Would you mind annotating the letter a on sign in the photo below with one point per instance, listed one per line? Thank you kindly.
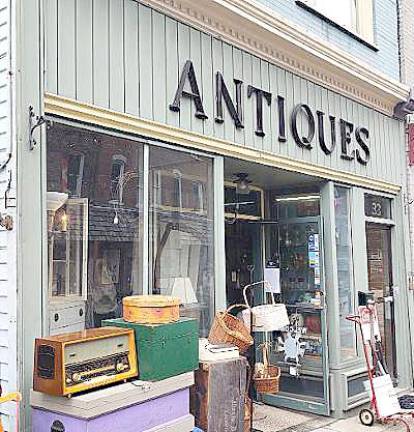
(188, 73)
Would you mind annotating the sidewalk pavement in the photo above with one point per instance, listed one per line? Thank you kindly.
(271, 419)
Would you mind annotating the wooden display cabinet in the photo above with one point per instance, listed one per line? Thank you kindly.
(67, 261)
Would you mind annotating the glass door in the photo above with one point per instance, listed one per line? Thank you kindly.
(300, 350)
(380, 283)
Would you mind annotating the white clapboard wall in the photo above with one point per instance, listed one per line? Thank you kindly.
(122, 55)
(8, 356)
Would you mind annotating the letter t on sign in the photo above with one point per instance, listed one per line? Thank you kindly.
(189, 73)
(260, 94)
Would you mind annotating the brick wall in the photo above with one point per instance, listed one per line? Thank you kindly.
(406, 27)
(406, 41)
(385, 32)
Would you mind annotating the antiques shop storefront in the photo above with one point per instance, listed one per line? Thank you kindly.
(178, 164)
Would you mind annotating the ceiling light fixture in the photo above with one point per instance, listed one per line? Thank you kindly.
(242, 183)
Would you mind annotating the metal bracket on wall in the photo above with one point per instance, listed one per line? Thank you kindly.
(35, 121)
(7, 198)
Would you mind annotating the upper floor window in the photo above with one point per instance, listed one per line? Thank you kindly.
(343, 12)
(353, 15)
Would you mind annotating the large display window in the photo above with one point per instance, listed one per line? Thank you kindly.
(125, 218)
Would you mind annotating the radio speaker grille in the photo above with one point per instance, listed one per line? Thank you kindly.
(46, 362)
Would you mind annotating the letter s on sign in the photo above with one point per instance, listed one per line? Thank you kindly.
(360, 134)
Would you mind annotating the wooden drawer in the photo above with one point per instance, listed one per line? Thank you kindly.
(66, 317)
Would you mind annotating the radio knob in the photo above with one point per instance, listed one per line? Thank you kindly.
(68, 380)
(120, 367)
(76, 377)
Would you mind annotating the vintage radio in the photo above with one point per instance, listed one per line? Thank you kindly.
(75, 362)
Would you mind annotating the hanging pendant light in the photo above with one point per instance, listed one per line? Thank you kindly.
(242, 183)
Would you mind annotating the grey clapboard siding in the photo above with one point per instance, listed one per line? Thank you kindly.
(137, 56)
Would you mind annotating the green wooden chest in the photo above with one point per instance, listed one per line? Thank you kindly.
(163, 350)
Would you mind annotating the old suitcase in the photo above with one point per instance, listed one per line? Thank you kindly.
(164, 350)
(218, 396)
(137, 406)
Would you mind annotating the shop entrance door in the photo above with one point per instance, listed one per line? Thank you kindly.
(380, 283)
(244, 259)
(301, 351)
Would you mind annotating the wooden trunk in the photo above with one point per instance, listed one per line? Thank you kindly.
(163, 350)
(218, 396)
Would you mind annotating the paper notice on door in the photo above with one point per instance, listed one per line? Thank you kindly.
(272, 275)
(313, 259)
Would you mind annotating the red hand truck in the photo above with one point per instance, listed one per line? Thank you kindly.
(367, 321)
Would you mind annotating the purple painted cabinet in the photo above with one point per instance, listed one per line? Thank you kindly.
(137, 418)
(139, 407)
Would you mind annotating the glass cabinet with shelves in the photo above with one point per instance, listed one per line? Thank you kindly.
(67, 249)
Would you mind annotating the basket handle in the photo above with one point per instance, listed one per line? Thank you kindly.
(264, 282)
(240, 305)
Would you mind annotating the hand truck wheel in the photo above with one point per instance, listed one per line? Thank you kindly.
(366, 417)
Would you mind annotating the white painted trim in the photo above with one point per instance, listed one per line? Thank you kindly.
(220, 300)
(263, 32)
(145, 223)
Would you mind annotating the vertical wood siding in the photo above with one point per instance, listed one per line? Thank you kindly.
(8, 353)
(122, 55)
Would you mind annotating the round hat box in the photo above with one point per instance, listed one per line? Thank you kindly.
(151, 309)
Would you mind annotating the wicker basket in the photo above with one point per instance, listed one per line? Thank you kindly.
(266, 381)
(151, 309)
(227, 328)
(269, 383)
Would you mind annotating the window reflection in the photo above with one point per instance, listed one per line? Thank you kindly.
(181, 231)
(344, 269)
(94, 200)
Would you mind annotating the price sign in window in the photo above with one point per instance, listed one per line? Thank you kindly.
(377, 206)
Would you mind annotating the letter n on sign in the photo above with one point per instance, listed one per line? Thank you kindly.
(411, 144)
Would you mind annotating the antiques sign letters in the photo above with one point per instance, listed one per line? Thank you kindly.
(353, 138)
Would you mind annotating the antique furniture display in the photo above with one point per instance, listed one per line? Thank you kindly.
(67, 251)
(138, 406)
(218, 397)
